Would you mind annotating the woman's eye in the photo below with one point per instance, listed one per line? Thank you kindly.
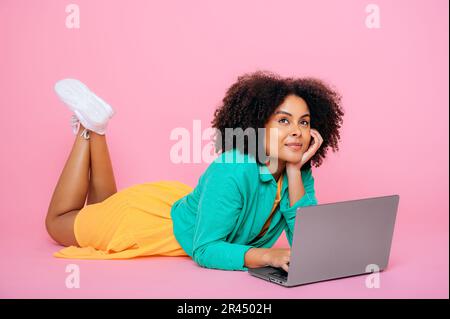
(284, 119)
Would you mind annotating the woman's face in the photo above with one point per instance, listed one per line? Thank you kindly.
(290, 123)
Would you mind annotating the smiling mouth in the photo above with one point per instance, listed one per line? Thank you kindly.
(294, 146)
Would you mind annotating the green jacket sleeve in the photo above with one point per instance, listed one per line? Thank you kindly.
(289, 212)
(220, 205)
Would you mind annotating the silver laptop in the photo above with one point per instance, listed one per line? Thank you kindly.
(337, 240)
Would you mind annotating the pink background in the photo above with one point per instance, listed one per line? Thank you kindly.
(164, 64)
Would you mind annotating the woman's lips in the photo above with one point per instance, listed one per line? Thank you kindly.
(294, 146)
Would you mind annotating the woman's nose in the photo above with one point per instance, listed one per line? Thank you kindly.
(296, 132)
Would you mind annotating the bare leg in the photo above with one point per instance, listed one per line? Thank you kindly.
(102, 182)
(75, 184)
(69, 195)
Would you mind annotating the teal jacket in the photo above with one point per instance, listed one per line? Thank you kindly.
(218, 221)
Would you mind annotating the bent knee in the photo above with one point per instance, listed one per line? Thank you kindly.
(61, 228)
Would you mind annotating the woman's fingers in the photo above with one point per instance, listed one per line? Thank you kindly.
(317, 137)
(286, 261)
(312, 147)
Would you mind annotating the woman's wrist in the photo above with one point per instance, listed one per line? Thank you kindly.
(265, 258)
(256, 257)
(295, 186)
(293, 170)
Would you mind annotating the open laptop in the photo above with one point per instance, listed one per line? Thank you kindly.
(337, 240)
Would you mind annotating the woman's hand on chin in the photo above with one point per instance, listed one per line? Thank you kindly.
(306, 156)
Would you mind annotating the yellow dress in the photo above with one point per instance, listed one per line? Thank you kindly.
(133, 222)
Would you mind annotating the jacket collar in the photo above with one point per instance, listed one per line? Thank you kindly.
(266, 176)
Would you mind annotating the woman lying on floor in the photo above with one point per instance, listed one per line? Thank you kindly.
(243, 201)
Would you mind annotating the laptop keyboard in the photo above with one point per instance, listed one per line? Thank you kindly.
(280, 274)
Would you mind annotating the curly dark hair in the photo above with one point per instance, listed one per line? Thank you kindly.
(251, 101)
